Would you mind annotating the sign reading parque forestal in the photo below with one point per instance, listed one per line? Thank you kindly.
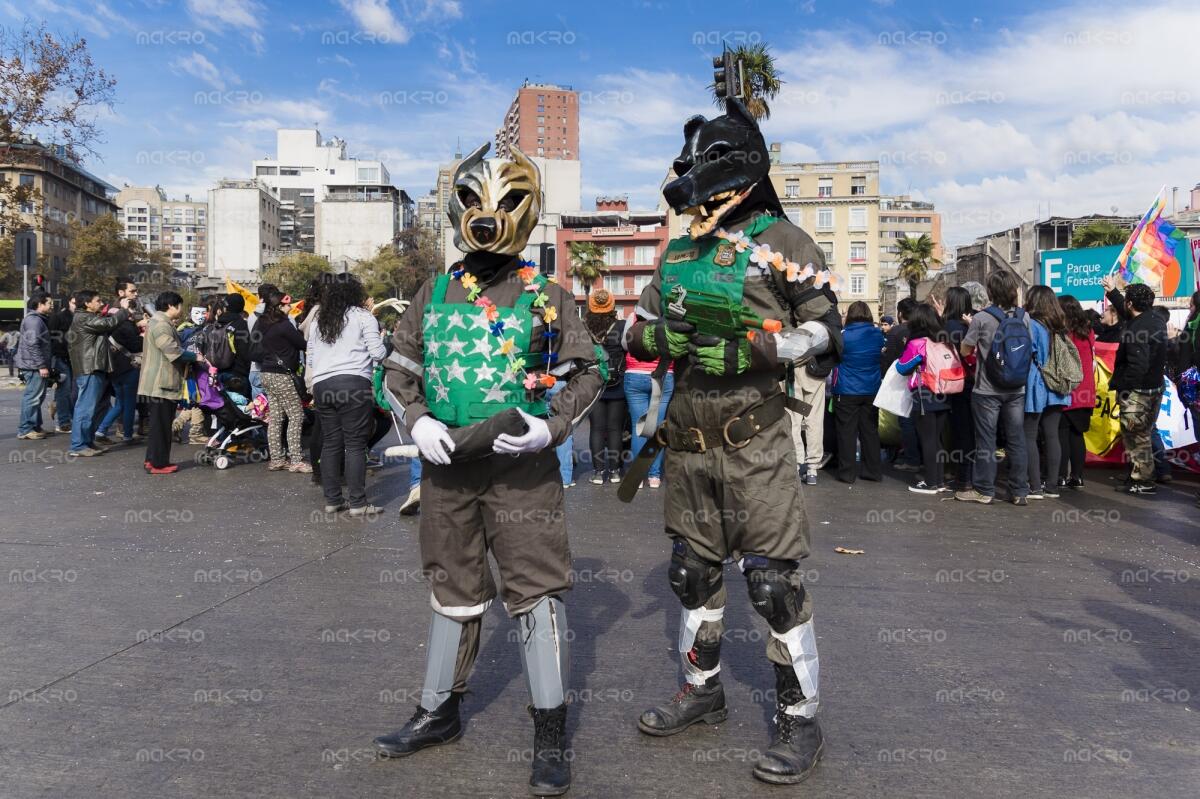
(1079, 272)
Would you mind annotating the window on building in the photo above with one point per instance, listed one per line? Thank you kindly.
(858, 284)
(824, 219)
(27, 180)
(858, 218)
(615, 284)
(827, 248)
(541, 151)
(640, 282)
(614, 256)
(541, 129)
(643, 255)
(368, 174)
(795, 216)
(791, 188)
(825, 187)
(288, 171)
(858, 251)
(858, 186)
(266, 170)
(576, 286)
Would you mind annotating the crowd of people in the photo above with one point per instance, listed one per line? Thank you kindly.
(1012, 382)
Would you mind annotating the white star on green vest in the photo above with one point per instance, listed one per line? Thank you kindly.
(483, 346)
(454, 346)
(494, 394)
(433, 373)
(443, 393)
(456, 371)
(485, 373)
(455, 320)
(431, 318)
(481, 322)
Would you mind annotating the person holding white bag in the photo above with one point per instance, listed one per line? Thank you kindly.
(855, 384)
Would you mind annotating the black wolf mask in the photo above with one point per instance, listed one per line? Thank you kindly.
(723, 163)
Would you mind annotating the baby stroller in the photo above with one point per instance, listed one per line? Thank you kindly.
(238, 430)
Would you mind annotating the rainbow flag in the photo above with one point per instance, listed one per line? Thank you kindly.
(1149, 255)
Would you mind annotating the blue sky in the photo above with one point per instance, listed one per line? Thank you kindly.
(997, 112)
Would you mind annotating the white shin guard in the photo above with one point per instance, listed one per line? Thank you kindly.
(801, 644)
(689, 625)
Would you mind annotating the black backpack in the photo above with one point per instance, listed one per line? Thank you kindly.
(216, 344)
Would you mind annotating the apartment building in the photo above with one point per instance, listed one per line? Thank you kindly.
(177, 227)
(632, 242)
(542, 120)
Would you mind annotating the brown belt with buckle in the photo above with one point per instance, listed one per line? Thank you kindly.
(735, 433)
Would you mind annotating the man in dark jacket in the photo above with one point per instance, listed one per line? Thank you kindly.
(234, 319)
(33, 363)
(126, 340)
(59, 323)
(1137, 377)
(91, 361)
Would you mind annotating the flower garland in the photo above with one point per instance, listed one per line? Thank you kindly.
(764, 256)
(528, 273)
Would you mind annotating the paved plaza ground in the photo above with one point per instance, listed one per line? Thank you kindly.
(214, 634)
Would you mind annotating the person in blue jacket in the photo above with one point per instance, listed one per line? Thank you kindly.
(1043, 408)
(856, 381)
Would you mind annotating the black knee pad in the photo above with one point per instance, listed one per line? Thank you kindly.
(772, 593)
(692, 578)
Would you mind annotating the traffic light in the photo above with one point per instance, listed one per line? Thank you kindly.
(39, 281)
(727, 70)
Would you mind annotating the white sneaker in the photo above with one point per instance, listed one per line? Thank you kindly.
(412, 505)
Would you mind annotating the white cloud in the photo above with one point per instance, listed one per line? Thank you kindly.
(245, 16)
(375, 17)
(201, 68)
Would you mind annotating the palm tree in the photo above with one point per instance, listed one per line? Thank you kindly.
(916, 256)
(760, 80)
(587, 263)
(1099, 234)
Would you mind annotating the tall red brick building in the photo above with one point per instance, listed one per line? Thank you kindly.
(543, 120)
(632, 242)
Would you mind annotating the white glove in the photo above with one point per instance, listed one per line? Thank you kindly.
(431, 438)
(535, 439)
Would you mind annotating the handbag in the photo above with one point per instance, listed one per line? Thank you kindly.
(894, 395)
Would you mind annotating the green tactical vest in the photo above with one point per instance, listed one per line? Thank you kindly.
(710, 265)
(467, 379)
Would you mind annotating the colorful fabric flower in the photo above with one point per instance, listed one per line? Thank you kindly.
(508, 346)
(527, 273)
(540, 300)
(550, 314)
(531, 381)
(761, 255)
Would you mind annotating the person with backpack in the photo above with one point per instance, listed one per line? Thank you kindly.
(956, 313)
(607, 419)
(1057, 371)
(909, 457)
(1077, 417)
(1001, 335)
(233, 324)
(856, 381)
(935, 372)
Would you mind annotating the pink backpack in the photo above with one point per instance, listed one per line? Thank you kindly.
(942, 372)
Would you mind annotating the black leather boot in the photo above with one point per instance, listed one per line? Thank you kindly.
(693, 703)
(797, 745)
(551, 774)
(426, 728)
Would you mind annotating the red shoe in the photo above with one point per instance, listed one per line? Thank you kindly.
(170, 468)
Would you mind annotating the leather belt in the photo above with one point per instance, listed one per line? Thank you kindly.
(734, 433)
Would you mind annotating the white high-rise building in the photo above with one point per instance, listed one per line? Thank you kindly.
(178, 227)
(341, 208)
(244, 226)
